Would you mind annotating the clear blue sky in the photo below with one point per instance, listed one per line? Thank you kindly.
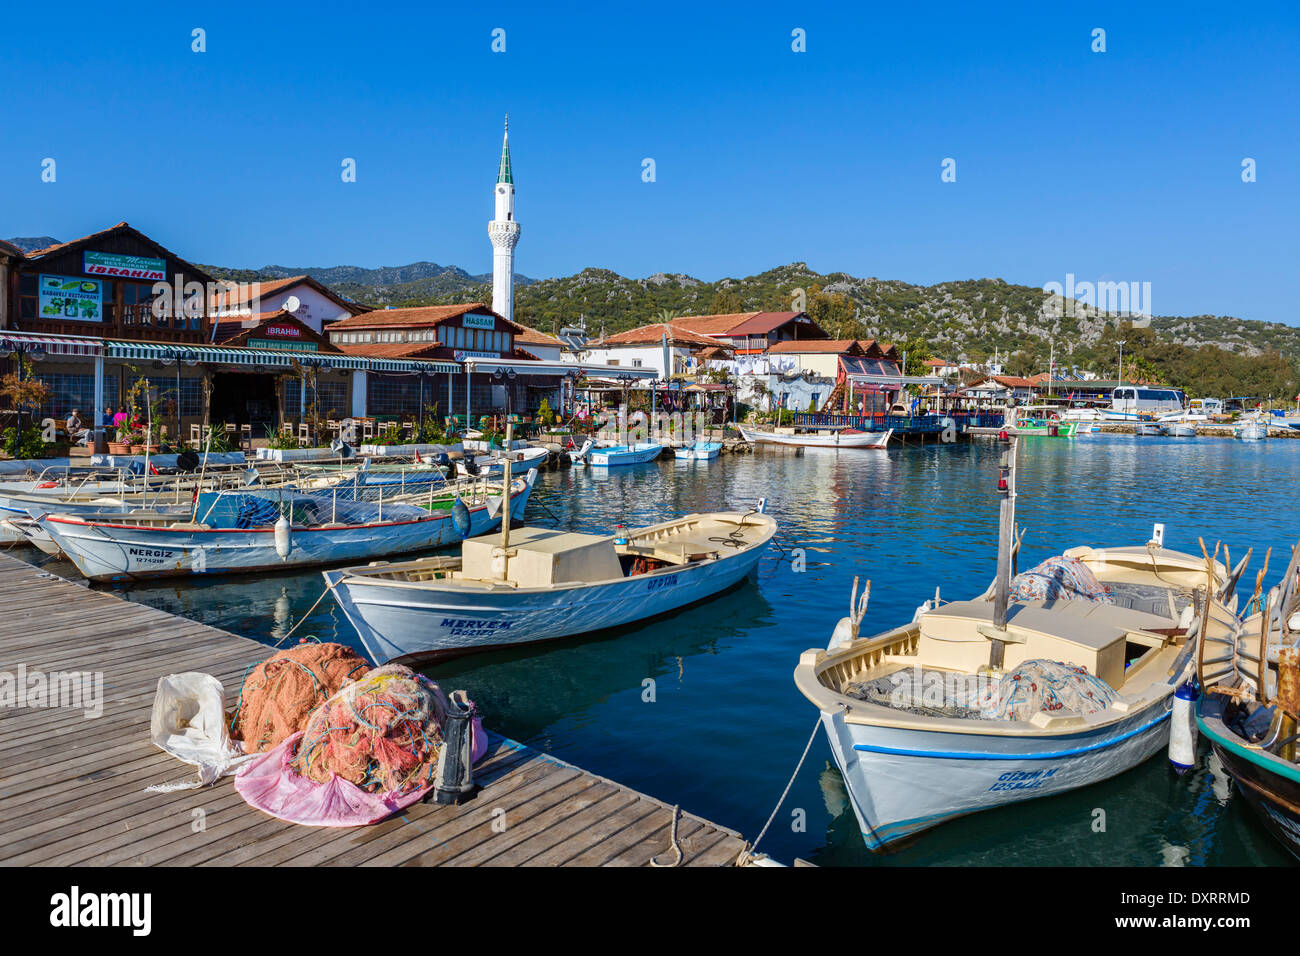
(1123, 165)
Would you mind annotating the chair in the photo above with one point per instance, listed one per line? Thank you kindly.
(246, 438)
(196, 436)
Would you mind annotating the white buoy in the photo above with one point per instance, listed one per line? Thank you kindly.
(283, 543)
(1182, 728)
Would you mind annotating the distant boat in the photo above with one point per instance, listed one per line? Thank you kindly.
(493, 463)
(843, 438)
(265, 530)
(615, 456)
(1251, 430)
(1178, 429)
(699, 450)
(1147, 429)
(1040, 420)
(550, 584)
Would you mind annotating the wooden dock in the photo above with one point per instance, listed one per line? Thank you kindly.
(72, 787)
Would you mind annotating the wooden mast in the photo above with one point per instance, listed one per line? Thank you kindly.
(1006, 540)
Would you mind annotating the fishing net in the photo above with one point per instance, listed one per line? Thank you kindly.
(280, 693)
(381, 733)
(259, 509)
(1050, 686)
(1058, 579)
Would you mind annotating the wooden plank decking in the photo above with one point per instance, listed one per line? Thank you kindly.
(72, 787)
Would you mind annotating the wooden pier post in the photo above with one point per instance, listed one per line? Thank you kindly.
(1006, 538)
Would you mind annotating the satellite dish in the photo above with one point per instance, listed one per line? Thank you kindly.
(292, 304)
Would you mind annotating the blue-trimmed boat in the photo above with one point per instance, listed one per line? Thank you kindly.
(924, 729)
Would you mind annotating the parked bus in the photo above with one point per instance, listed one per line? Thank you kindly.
(1133, 400)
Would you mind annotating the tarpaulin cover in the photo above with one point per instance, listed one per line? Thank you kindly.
(1058, 579)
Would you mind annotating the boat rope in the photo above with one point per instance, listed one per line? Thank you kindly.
(328, 588)
(736, 539)
(673, 844)
(747, 853)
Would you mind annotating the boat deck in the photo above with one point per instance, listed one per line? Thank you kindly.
(72, 786)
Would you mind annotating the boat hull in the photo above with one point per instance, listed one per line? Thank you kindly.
(1273, 796)
(103, 551)
(902, 781)
(622, 455)
(836, 440)
(415, 624)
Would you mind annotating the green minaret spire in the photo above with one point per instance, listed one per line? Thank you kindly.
(504, 175)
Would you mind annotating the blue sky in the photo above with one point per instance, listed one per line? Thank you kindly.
(1123, 165)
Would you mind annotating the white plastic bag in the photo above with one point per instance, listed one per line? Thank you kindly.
(189, 722)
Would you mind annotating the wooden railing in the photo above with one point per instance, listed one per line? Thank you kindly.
(909, 425)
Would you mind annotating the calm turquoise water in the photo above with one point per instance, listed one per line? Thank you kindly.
(727, 726)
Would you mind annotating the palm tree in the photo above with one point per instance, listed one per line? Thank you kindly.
(664, 316)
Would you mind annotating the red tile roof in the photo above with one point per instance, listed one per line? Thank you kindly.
(825, 346)
(739, 323)
(418, 317)
(655, 334)
(531, 336)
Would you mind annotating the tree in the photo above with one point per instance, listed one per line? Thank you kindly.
(24, 394)
(725, 302)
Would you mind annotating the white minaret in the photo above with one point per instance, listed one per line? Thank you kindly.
(504, 233)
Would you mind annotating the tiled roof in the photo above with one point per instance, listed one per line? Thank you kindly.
(826, 346)
(530, 336)
(739, 323)
(418, 317)
(125, 226)
(245, 292)
(655, 334)
(395, 349)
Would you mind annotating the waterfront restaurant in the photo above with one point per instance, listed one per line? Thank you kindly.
(92, 317)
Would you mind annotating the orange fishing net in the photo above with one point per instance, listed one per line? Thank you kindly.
(281, 692)
(381, 733)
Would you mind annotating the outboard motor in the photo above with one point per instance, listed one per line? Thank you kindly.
(471, 467)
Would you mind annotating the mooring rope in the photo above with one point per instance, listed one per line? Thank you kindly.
(747, 853)
(673, 844)
(328, 588)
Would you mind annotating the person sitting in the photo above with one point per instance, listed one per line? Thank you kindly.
(76, 433)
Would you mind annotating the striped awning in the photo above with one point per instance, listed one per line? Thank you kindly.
(52, 344)
(541, 367)
(273, 358)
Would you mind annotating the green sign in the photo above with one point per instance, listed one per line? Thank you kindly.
(282, 345)
(124, 267)
(472, 320)
(67, 297)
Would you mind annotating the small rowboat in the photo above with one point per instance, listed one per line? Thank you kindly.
(615, 456)
(700, 450)
(843, 438)
(1251, 431)
(545, 584)
(493, 464)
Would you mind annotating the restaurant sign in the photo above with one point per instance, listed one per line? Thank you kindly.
(124, 267)
(462, 354)
(67, 297)
(282, 344)
(473, 320)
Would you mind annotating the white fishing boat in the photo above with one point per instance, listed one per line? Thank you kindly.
(923, 730)
(252, 530)
(1250, 430)
(614, 456)
(493, 463)
(1052, 679)
(543, 584)
(1147, 430)
(699, 450)
(1178, 429)
(839, 438)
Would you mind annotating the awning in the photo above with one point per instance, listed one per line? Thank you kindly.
(893, 381)
(52, 344)
(542, 367)
(274, 358)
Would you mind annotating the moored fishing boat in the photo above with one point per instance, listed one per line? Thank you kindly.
(1147, 429)
(1250, 714)
(1058, 678)
(543, 584)
(841, 438)
(1178, 429)
(614, 456)
(698, 450)
(493, 463)
(1039, 420)
(1250, 430)
(253, 530)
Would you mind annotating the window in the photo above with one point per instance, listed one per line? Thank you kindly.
(636, 363)
(75, 391)
(331, 398)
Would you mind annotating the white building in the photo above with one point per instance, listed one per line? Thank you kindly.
(307, 300)
(666, 349)
(504, 233)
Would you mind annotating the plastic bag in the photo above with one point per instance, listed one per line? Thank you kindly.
(189, 722)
